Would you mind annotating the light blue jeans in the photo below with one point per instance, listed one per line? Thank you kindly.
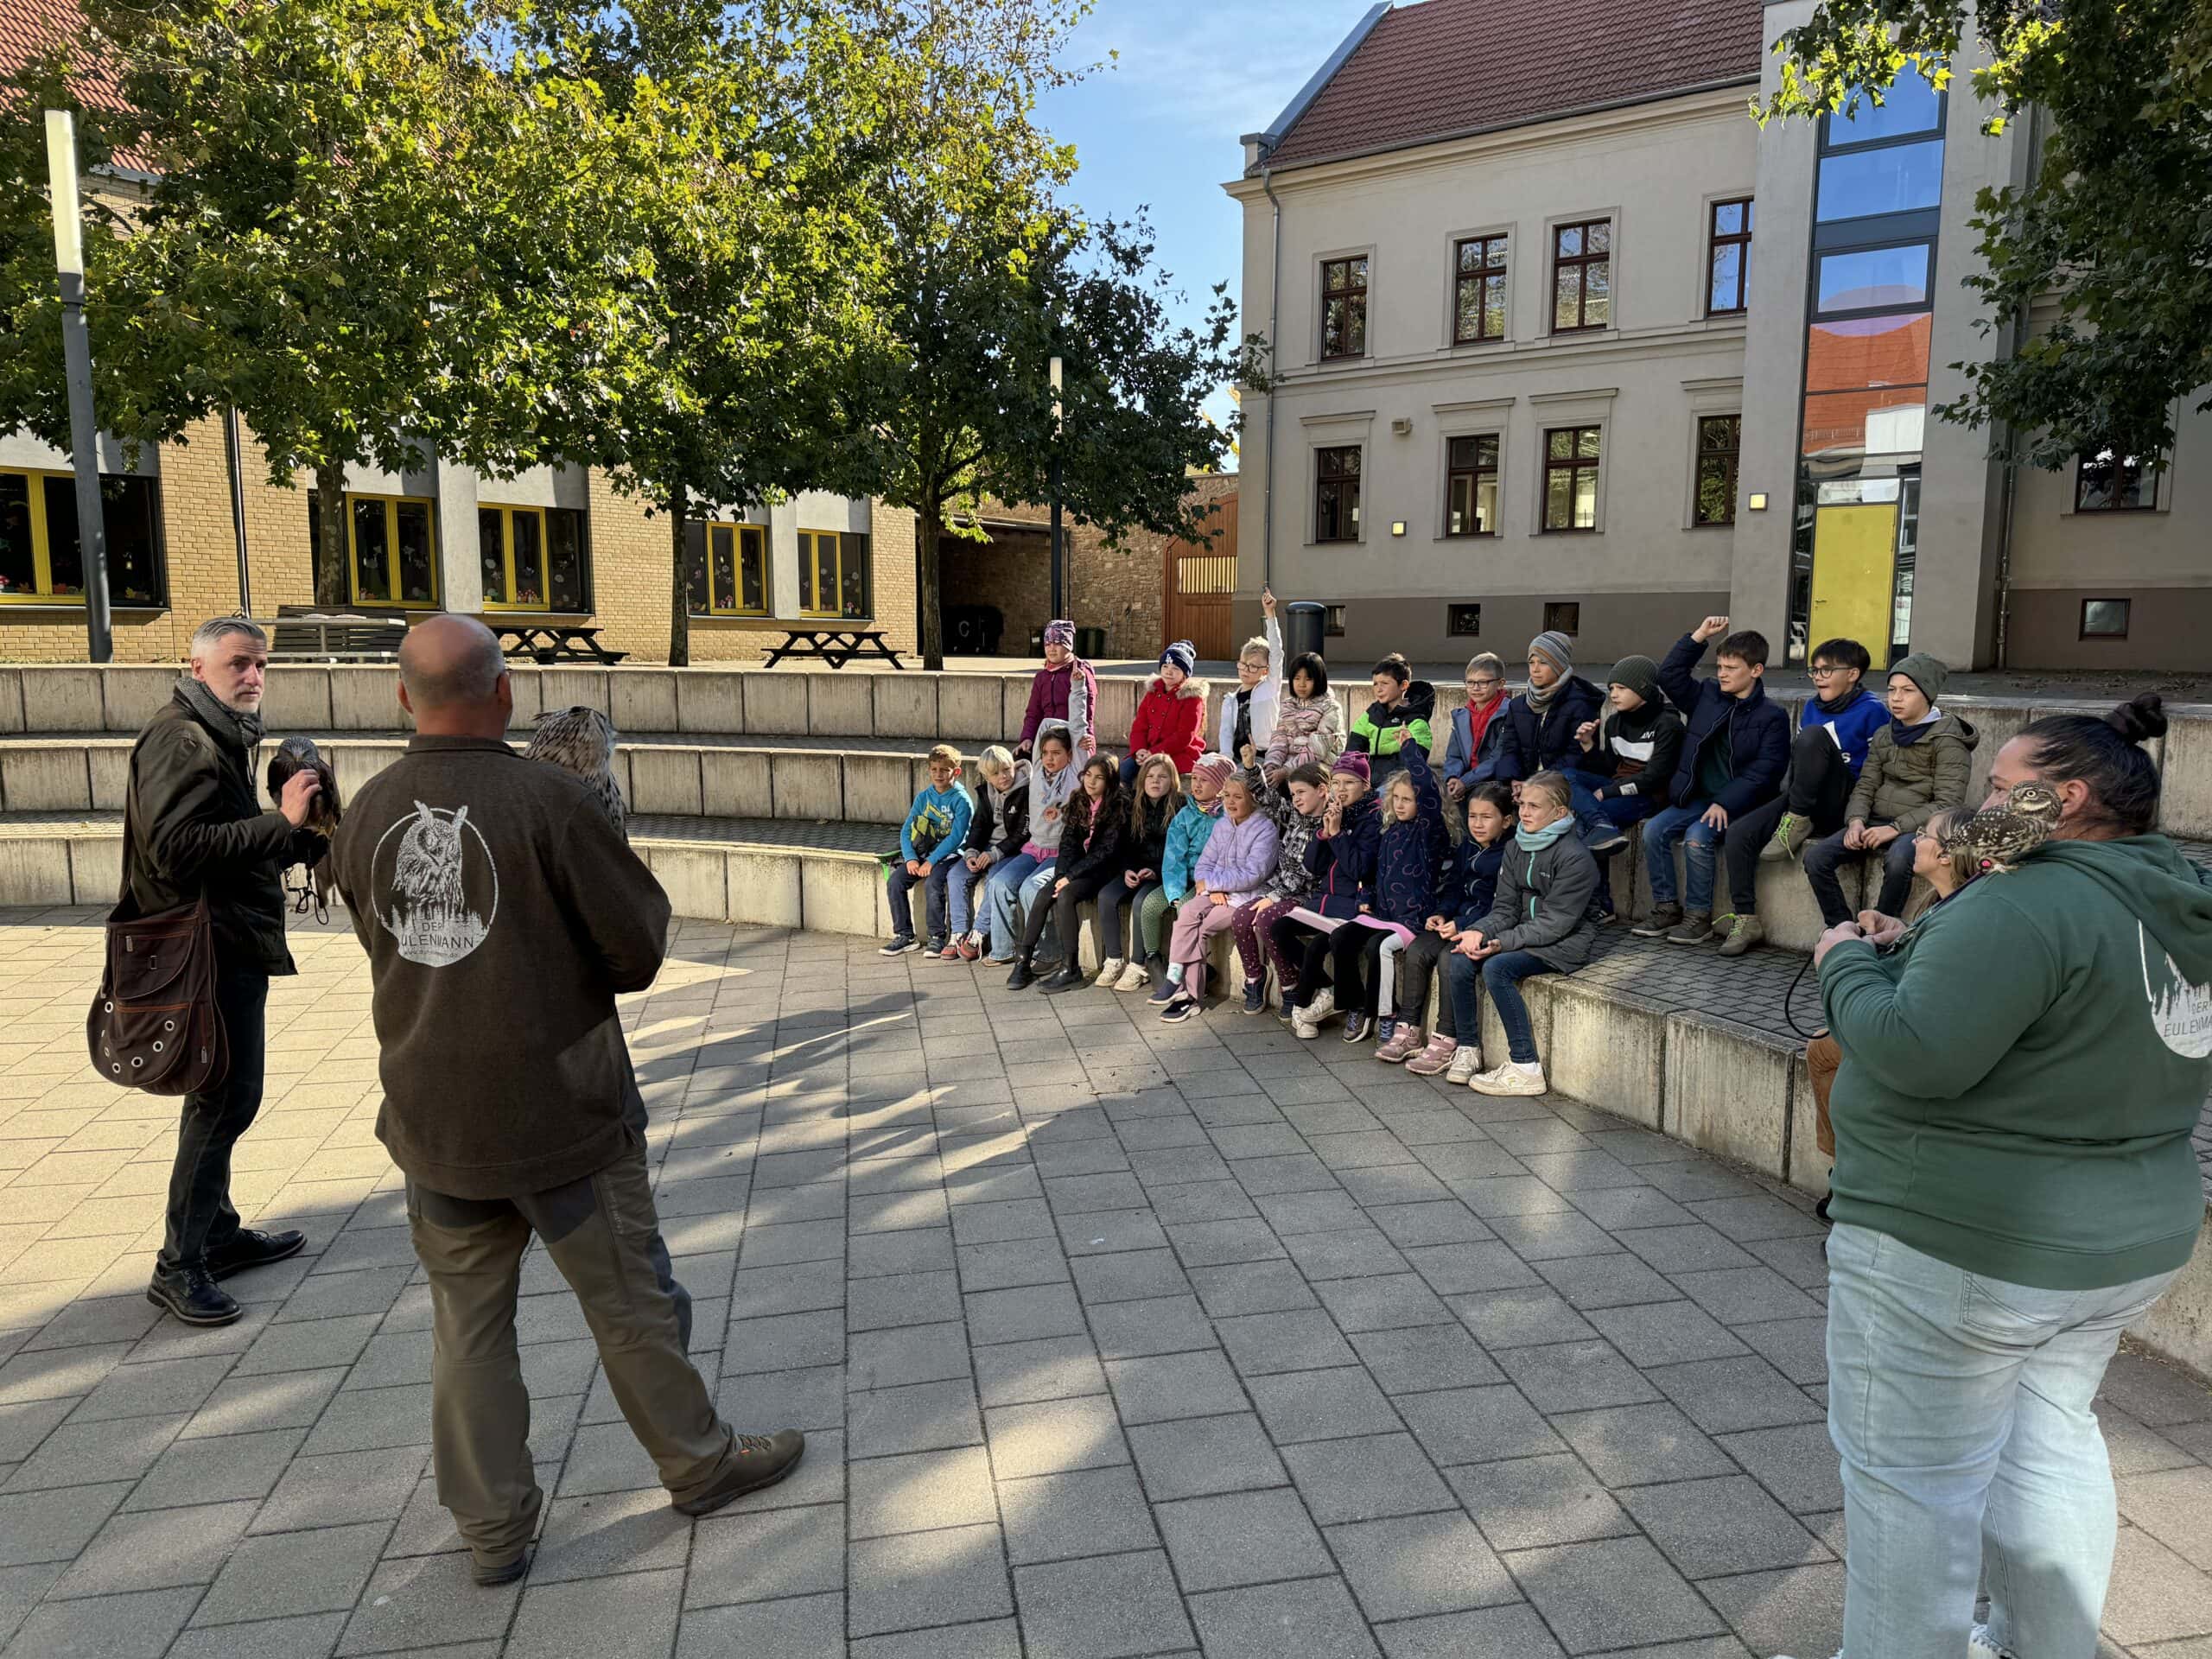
(1001, 897)
(1959, 1408)
(1700, 847)
(959, 882)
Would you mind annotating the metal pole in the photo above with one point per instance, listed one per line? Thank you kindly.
(234, 447)
(1058, 556)
(77, 356)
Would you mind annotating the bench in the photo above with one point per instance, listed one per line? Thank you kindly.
(303, 633)
(835, 647)
(546, 643)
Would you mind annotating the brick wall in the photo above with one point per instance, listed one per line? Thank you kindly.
(1013, 571)
(631, 568)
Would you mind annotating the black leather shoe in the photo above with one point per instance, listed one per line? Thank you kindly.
(248, 1249)
(191, 1294)
(760, 1461)
(490, 1574)
(1066, 980)
(1022, 977)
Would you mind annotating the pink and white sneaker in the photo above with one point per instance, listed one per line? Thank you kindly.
(1405, 1042)
(1433, 1060)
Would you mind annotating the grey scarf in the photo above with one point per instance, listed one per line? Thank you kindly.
(242, 731)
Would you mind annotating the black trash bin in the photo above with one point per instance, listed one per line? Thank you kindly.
(1304, 624)
(1090, 643)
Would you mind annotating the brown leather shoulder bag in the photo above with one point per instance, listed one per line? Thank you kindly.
(154, 1024)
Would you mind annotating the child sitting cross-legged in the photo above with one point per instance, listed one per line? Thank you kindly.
(1296, 808)
(1153, 807)
(1539, 922)
(998, 824)
(1463, 898)
(930, 841)
(1239, 854)
(1089, 857)
(1407, 857)
(1186, 839)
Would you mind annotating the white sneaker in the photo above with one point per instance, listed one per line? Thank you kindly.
(1324, 1004)
(1134, 978)
(1109, 974)
(1302, 1028)
(1465, 1062)
(1514, 1077)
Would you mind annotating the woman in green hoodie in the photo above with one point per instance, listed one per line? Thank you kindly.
(2014, 1184)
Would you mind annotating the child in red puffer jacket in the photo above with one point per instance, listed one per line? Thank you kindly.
(1171, 719)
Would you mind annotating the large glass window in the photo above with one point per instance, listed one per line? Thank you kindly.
(2107, 482)
(1471, 486)
(1720, 440)
(1582, 275)
(1871, 277)
(1343, 307)
(1864, 352)
(1728, 261)
(532, 557)
(833, 574)
(392, 542)
(1891, 179)
(1909, 104)
(1336, 493)
(726, 569)
(1478, 297)
(1571, 478)
(40, 557)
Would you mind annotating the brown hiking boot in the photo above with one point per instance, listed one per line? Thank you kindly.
(759, 1461)
(1739, 933)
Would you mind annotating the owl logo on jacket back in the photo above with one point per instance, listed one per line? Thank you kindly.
(432, 886)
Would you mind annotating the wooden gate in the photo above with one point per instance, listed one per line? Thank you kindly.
(1200, 583)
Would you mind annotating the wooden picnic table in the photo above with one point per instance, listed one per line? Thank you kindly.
(835, 647)
(554, 642)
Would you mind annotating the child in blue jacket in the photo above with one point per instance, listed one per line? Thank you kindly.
(1341, 862)
(1464, 898)
(1409, 858)
(1188, 831)
(930, 842)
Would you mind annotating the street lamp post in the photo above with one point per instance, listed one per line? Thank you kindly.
(1058, 556)
(77, 355)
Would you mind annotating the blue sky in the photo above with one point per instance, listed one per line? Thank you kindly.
(1158, 126)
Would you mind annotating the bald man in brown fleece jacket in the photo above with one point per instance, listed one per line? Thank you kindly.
(502, 914)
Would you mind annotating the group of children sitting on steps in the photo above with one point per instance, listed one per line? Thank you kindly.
(1326, 857)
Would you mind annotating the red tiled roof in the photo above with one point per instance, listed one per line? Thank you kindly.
(1443, 67)
(30, 27)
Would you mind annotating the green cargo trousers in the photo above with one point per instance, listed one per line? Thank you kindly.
(603, 1235)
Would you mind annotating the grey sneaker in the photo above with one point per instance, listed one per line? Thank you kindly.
(1742, 932)
(1694, 928)
(1656, 924)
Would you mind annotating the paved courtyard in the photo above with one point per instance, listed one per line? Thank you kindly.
(1110, 1338)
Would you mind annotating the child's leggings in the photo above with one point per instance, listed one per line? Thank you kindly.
(1355, 967)
(1249, 928)
(1196, 925)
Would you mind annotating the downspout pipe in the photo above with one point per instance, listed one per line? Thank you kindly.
(1274, 312)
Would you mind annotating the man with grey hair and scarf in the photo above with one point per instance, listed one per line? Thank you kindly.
(194, 827)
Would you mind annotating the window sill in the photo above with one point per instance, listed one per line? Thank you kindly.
(1352, 541)
(44, 606)
(2113, 512)
(1712, 524)
(1572, 530)
(1470, 536)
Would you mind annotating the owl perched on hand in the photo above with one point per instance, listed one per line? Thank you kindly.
(294, 755)
(1999, 837)
(582, 739)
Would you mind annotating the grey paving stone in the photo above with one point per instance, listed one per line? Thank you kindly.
(1595, 1281)
(916, 1250)
(1740, 1295)
(902, 1300)
(1322, 1405)
(425, 1600)
(1053, 1436)
(363, 1420)
(1212, 1243)
(1023, 1314)
(1520, 1319)
(806, 1627)
(1014, 1262)
(1366, 1478)
(155, 1389)
(786, 1343)
(157, 1550)
(1512, 1632)
(1198, 1384)
(612, 1532)
(1726, 1525)
(286, 1573)
(776, 1244)
(632, 1615)
(1102, 1607)
(2146, 1390)
(1798, 1465)
(1722, 1395)
(1419, 1358)
(308, 1636)
(1412, 1566)
(1796, 1348)
(1109, 1231)
(1476, 1425)
(1241, 1538)
(81, 1454)
(1424, 1222)
(1313, 1616)
(740, 1555)
(1200, 1455)
(814, 1398)
(343, 1487)
(1083, 1512)
(915, 1580)
(907, 1354)
(1129, 1275)
(929, 1489)
(1665, 1333)
(1051, 1368)
(1252, 1288)
(922, 1418)
(1291, 1213)
(996, 1638)
(1576, 1377)
(1619, 1208)
(1461, 1269)
(1162, 1325)
(1638, 1445)
(792, 1287)
(1348, 1253)
(310, 1345)
(1552, 1234)
(243, 1404)
(1743, 1219)
(1680, 1248)
(1802, 1604)
(1530, 1502)
(1262, 1343)
(1612, 1593)
(1193, 1203)
(888, 1212)
(138, 1626)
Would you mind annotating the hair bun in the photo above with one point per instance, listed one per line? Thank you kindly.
(2140, 719)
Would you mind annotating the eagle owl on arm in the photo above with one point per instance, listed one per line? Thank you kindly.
(582, 739)
(298, 755)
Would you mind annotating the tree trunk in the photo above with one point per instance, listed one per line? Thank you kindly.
(333, 591)
(679, 600)
(928, 527)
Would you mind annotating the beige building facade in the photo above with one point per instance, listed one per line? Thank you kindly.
(1595, 351)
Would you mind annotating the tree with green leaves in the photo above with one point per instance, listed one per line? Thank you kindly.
(2100, 266)
(942, 397)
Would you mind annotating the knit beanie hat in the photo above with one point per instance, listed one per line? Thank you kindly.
(1060, 633)
(1214, 768)
(1639, 674)
(1925, 671)
(1183, 654)
(1352, 764)
(1555, 648)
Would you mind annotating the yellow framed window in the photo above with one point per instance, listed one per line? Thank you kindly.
(40, 562)
(833, 574)
(392, 540)
(512, 542)
(726, 569)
